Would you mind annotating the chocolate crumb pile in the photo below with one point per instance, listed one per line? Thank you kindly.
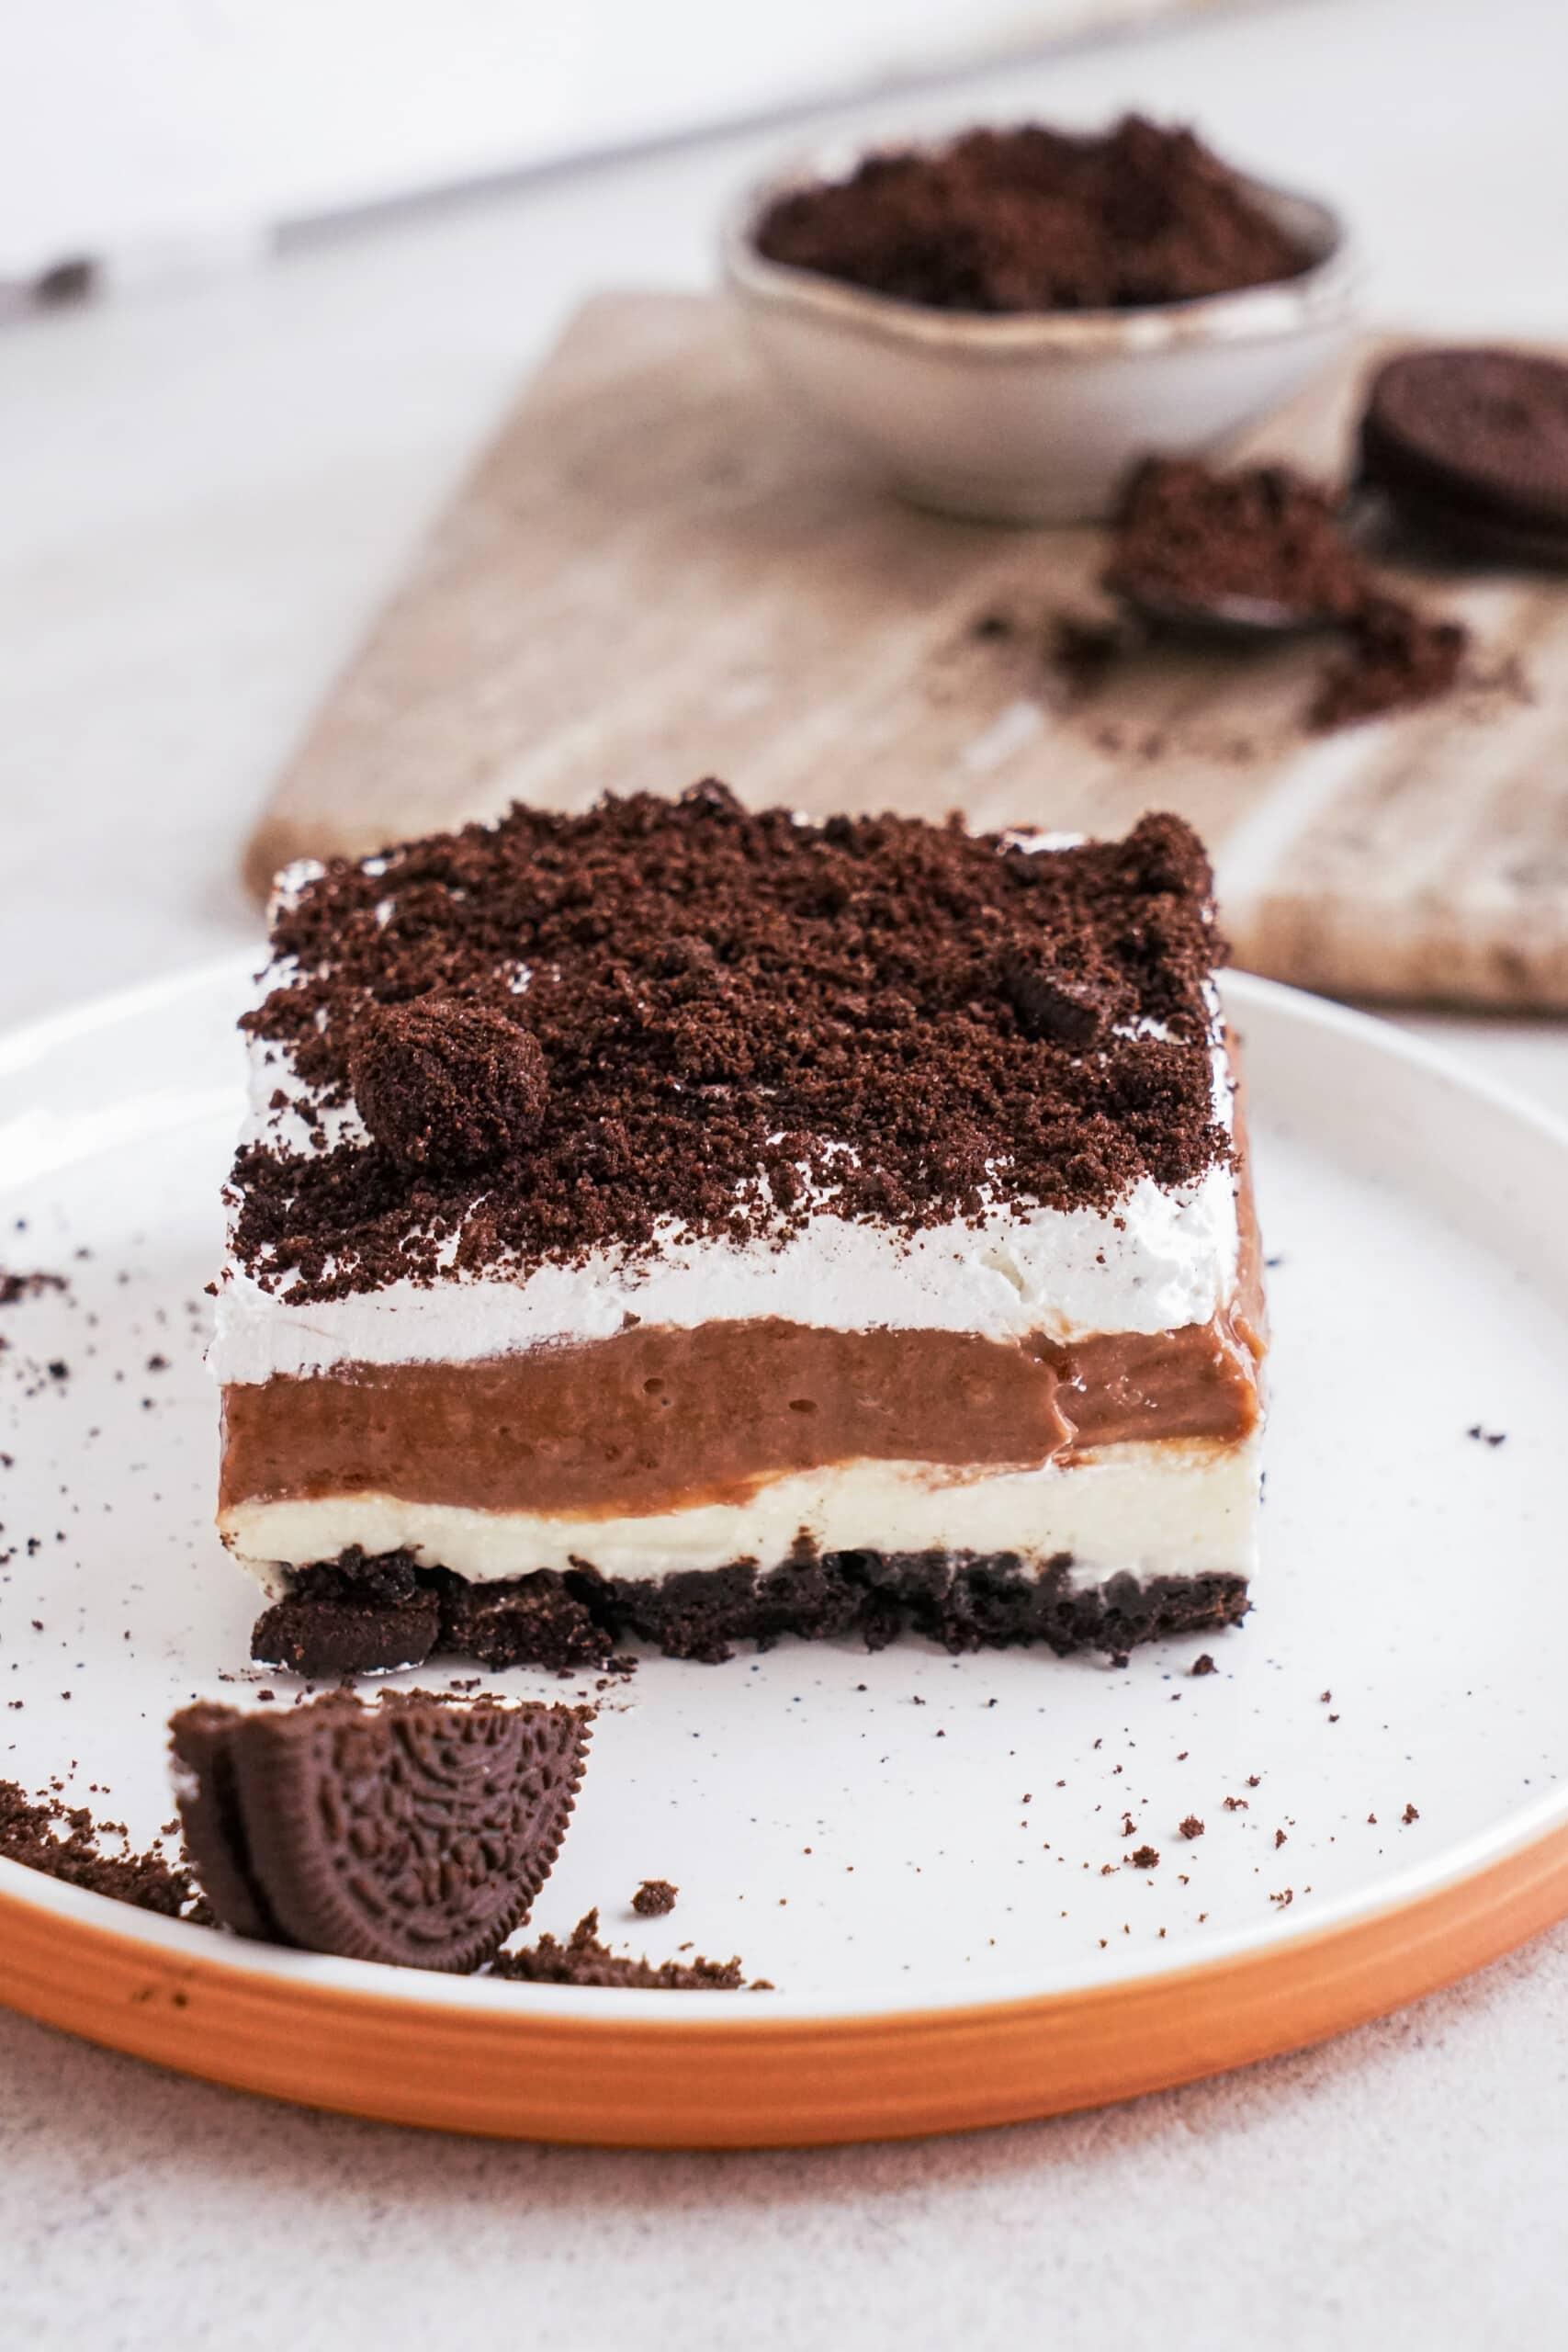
(1187, 536)
(654, 1898)
(65, 1842)
(1038, 219)
(722, 1018)
(584, 1959)
(1197, 541)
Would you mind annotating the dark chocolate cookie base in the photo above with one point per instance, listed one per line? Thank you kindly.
(360, 1615)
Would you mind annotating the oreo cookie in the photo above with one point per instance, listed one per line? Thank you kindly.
(414, 1833)
(1470, 445)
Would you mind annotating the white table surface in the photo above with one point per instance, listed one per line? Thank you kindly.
(203, 493)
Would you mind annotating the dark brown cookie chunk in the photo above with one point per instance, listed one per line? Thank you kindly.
(1070, 998)
(1473, 444)
(445, 1081)
(654, 1897)
(415, 1832)
(323, 1638)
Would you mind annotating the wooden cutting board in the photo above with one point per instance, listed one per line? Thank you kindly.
(660, 571)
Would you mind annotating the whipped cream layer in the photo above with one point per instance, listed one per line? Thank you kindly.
(1162, 1509)
(1159, 1260)
(1165, 1259)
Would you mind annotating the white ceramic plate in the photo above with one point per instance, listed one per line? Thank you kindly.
(890, 1835)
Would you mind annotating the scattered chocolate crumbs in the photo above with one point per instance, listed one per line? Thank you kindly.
(1279, 1839)
(63, 1842)
(1083, 650)
(1203, 1664)
(1145, 1857)
(741, 1016)
(1396, 658)
(654, 1897)
(584, 1959)
(1408, 1816)
(15, 1287)
(1191, 1826)
(1487, 1437)
(1030, 219)
(1235, 1804)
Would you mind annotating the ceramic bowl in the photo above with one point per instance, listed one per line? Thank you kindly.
(1038, 417)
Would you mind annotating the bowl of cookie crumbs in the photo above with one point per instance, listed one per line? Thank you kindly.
(1007, 321)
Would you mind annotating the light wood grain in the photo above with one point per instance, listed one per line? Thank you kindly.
(658, 571)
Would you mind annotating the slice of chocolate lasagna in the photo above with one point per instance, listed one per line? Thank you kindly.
(680, 1225)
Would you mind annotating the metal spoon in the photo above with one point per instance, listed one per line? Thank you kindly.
(1230, 617)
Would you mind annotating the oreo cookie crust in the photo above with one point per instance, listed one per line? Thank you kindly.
(963, 1602)
(416, 1834)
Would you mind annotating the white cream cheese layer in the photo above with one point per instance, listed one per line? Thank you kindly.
(1168, 1509)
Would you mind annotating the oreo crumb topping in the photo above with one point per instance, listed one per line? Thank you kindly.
(654, 1898)
(743, 1016)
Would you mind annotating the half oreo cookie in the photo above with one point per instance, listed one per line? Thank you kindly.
(414, 1832)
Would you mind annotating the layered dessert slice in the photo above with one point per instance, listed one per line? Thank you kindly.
(680, 1225)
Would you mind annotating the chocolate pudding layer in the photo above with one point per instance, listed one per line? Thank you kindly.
(662, 1421)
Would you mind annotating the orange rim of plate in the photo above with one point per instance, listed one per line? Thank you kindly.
(695, 2070)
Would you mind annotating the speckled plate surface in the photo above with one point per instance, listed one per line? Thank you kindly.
(930, 1858)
